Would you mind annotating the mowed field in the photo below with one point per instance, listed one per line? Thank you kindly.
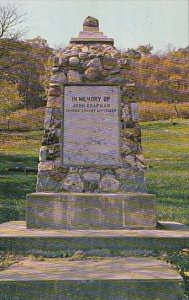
(166, 149)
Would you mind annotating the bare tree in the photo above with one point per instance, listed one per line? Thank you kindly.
(11, 55)
(10, 21)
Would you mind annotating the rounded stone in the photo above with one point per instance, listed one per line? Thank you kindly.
(125, 174)
(91, 22)
(83, 55)
(95, 62)
(140, 157)
(55, 69)
(107, 78)
(117, 80)
(100, 54)
(58, 77)
(44, 166)
(131, 133)
(56, 61)
(93, 74)
(108, 62)
(74, 53)
(115, 71)
(116, 55)
(92, 55)
(94, 47)
(134, 112)
(92, 176)
(74, 61)
(130, 159)
(109, 183)
(63, 62)
(140, 165)
(105, 73)
(84, 63)
(73, 169)
(55, 84)
(73, 183)
(54, 91)
(46, 183)
(74, 76)
(125, 64)
(125, 112)
(107, 54)
(129, 147)
(43, 154)
(85, 49)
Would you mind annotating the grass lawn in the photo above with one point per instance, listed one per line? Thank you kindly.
(17, 149)
(166, 149)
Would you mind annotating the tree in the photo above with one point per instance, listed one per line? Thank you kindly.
(170, 48)
(10, 21)
(24, 64)
(27, 64)
(13, 53)
(35, 76)
(10, 99)
(161, 78)
(145, 49)
(10, 32)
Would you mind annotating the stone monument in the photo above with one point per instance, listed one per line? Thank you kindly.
(91, 169)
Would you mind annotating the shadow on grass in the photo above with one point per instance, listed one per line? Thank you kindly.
(13, 191)
(10, 214)
(14, 186)
(17, 160)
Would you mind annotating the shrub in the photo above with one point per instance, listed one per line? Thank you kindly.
(183, 110)
(151, 111)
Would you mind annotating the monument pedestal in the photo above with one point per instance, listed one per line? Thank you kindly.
(111, 269)
(91, 174)
(110, 278)
(91, 211)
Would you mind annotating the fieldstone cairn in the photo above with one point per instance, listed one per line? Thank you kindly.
(91, 159)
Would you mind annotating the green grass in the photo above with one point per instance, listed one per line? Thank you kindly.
(18, 149)
(181, 262)
(166, 149)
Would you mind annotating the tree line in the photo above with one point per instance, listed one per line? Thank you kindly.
(160, 78)
(25, 66)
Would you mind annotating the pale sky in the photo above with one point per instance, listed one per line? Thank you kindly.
(130, 22)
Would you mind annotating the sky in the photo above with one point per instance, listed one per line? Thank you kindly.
(130, 22)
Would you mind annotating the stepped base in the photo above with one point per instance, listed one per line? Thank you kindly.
(91, 211)
(129, 278)
(16, 237)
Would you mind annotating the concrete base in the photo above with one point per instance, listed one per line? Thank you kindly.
(129, 279)
(14, 236)
(91, 211)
